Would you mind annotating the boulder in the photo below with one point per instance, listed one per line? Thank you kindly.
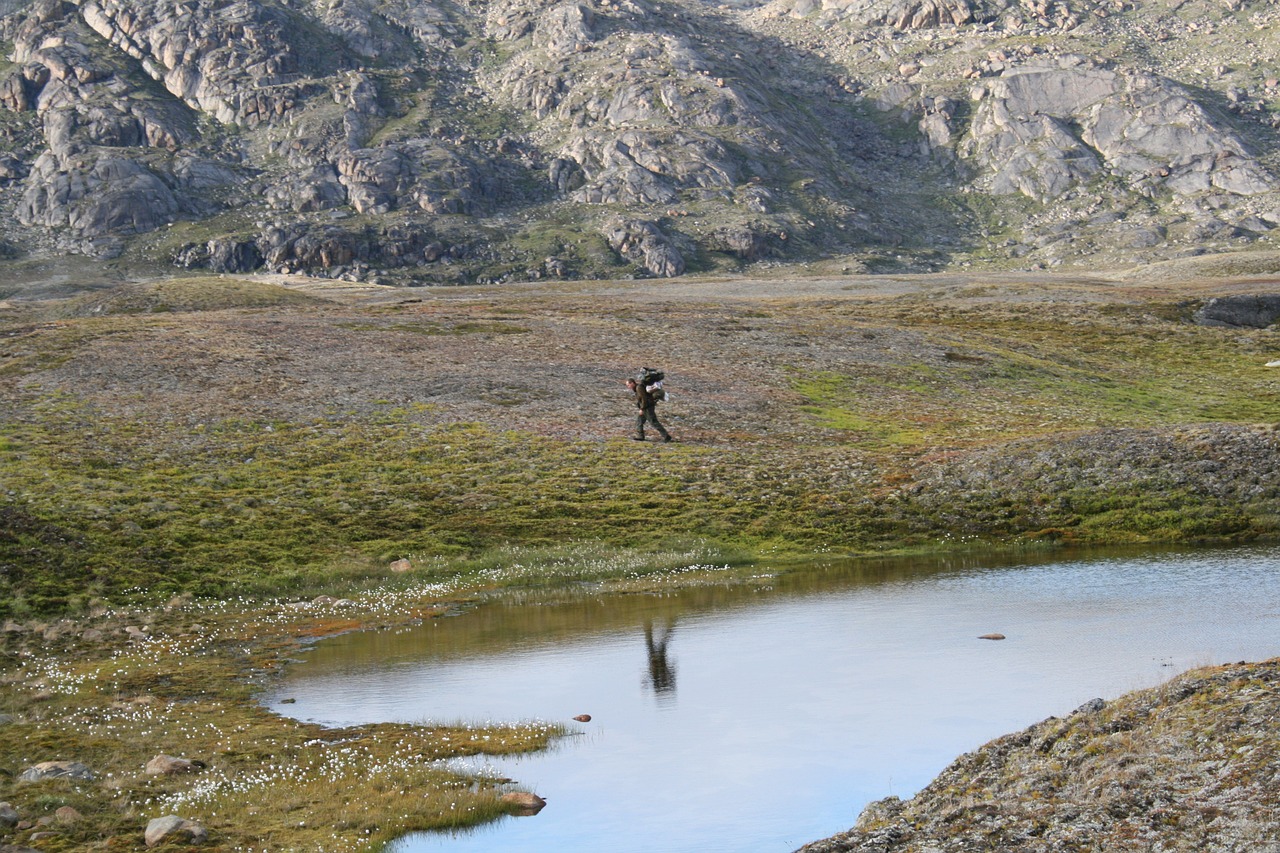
(56, 770)
(167, 765)
(8, 815)
(174, 828)
(522, 802)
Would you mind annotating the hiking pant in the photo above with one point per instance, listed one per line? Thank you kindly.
(649, 414)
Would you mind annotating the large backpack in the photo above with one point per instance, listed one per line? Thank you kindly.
(651, 381)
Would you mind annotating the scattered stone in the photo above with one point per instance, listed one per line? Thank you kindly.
(167, 765)
(992, 637)
(66, 814)
(57, 770)
(400, 566)
(1091, 707)
(583, 718)
(135, 633)
(174, 828)
(523, 803)
(8, 815)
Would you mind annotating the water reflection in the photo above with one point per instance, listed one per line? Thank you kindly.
(802, 695)
(662, 670)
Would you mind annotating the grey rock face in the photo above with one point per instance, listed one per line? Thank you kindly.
(506, 133)
(1253, 312)
(645, 244)
(1041, 130)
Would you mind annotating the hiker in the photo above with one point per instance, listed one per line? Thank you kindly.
(648, 391)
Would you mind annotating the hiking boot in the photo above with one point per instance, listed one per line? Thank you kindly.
(667, 438)
(638, 437)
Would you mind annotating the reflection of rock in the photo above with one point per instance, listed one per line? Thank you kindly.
(522, 802)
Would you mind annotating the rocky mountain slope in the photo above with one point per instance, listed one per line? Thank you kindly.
(425, 141)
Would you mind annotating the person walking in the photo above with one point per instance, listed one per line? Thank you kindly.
(647, 393)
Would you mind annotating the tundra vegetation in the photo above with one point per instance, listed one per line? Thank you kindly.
(201, 475)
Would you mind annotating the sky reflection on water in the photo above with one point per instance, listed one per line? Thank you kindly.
(761, 716)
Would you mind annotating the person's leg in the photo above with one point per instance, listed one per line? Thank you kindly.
(653, 419)
(639, 436)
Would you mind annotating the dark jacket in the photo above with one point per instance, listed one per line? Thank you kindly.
(645, 400)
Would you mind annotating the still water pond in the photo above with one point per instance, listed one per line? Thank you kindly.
(764, 715)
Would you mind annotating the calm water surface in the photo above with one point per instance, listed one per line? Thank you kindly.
(762, 716)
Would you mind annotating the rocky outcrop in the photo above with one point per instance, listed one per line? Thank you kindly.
(235, 61)
(645, 244)
(1189, 766)
(1044, 129)
(900, 14)
(1251, 312)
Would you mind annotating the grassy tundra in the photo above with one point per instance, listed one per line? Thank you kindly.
(209, 462)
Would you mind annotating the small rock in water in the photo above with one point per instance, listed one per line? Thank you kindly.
(992, 637)
(583, 718)
(523, 803)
